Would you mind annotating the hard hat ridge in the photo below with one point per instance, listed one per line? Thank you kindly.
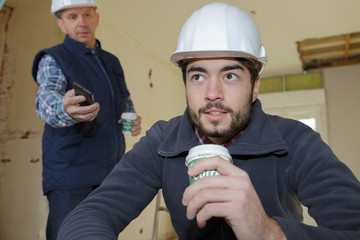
(219, 30)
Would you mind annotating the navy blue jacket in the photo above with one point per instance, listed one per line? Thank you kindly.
(84, 154)
(286, 161)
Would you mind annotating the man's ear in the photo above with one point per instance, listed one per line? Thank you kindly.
(60, 23)
(256, 88)
(97, 18)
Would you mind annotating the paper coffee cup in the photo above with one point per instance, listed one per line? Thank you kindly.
(204, 151)
(128, 121)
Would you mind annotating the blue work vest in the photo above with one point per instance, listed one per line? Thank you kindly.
(83, 155)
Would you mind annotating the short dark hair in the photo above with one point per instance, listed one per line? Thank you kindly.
(252, 65)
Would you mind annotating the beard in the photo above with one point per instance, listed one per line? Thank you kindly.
(239, 120)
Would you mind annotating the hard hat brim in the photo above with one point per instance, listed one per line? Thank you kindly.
(177, 57)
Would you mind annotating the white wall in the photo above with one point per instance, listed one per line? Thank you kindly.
(342, 86)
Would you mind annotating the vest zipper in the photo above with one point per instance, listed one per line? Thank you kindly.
(113, 104)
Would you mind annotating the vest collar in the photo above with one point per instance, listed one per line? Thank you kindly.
(81, 48)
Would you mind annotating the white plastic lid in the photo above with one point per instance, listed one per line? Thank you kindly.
(128, 115)
(211, 149)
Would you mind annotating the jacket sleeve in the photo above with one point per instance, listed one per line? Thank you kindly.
(299, 231)
(326, 186)
(122, 196)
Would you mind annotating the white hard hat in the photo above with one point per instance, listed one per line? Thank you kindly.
(58, 5)
(219, 30)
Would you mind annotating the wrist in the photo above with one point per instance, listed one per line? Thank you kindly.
(274, 231)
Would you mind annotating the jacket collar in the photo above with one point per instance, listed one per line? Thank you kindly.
(259, 138)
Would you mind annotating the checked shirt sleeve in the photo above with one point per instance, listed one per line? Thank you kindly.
(50, 96)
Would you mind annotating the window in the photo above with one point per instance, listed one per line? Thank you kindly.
(307, 106)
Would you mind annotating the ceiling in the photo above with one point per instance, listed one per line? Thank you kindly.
(317, 53)
(283, 24)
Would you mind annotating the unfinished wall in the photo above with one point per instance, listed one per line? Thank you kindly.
(7, 69)
(342, 86)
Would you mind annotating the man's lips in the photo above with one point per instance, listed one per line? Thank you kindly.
(215, 114)
(83, 31)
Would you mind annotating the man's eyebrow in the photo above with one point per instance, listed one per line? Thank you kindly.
(224, 69)
(232, 67)
(196, 69)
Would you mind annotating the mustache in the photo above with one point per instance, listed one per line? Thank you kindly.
(218, 105)
(82, 29)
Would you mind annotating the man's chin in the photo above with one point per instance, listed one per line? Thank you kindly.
(215, 124)
(215, 130)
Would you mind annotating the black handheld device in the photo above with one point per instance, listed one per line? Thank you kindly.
(80, 90)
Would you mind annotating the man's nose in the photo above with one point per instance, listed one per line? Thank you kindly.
(214, 90)
(81, 20)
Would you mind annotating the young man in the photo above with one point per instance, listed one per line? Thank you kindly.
(277, 162)
(81, 144)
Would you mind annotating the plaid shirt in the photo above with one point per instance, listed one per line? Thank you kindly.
(50, 96)
(204, 140)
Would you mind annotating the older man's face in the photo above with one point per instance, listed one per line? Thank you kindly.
(80, 24)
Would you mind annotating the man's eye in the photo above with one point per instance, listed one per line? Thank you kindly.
(231, 77)
(197, 77)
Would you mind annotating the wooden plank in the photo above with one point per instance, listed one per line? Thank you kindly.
(347, 46)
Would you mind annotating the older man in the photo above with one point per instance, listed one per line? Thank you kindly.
(81, 144)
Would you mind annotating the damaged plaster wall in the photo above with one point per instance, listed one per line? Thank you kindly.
(7, 81)
(7, 69)
(21, 200)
